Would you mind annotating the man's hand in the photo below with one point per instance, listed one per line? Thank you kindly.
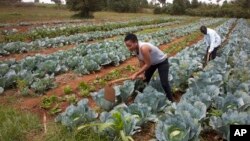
(133, 77)
(142, 76)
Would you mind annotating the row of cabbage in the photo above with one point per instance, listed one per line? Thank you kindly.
(190, 60)
(216, 98)
(166, 36)
(54, 26)
(20, 47)
(68, 30)
(40, 23)
(174, 121)
(69, 26)
(38, 71)
(186, 120)
(233, 81)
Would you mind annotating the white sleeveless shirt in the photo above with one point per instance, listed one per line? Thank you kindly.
(156, 55)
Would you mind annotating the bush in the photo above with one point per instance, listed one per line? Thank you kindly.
(124, 5)
(166, 9)
(229, 11)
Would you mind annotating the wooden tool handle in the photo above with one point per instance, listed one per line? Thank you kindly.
(123, 79)
(119, 80)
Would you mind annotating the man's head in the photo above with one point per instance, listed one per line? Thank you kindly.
(203, 29)
(131, 41)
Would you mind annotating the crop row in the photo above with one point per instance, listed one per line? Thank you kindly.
(20, 47)
(69, 30)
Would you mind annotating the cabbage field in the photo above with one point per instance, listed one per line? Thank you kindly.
(211, 98)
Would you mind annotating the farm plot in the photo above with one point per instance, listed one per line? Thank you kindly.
(38, 71)
(130, 120)
(67, 30)
(219, 98)
(22, 47)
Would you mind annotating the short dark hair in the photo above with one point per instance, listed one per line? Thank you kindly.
(203, 29)
(131, 37)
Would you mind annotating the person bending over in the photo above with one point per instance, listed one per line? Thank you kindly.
(150, 58)
(213, 42)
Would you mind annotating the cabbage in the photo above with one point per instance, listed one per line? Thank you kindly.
(76, 115)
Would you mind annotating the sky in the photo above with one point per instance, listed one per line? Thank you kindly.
(207, 1)
(170, 1)
(42, 1)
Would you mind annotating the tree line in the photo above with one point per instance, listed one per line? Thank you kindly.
(87, 7)
(234, 8)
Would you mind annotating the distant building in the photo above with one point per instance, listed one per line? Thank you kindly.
(44, 1)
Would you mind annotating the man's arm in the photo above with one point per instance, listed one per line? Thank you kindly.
(212, 42)
(141, 63)
(145, 64)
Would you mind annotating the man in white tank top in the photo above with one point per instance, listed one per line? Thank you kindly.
(150, 58)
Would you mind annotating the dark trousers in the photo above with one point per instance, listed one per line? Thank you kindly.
(163, 69)
(213, 53)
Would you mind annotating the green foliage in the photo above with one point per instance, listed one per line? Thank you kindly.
(23, 87)
(194, 3)
(130, 68)
(15, 125)
(85, 89)
(178, 7)
(41, 85)
(47, 101)
(85, 7)
(239, 9)
(165, 9)
(224, 11)
(100, 81)
(126, 5)
(67, 90)
(114, 74)
(55, 110)
(72, 99)
(57, 132)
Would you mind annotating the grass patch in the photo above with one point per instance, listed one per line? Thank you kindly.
(11, 14)
(16, 125)
(58, 132)
(34, 13)
(113, 16)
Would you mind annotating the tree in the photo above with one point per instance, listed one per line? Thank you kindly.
(243, 3)
(58, 2)
(126, 5)
(163, 2)
(178, 7)
(85, 7)
(194, 3)
(187, 4)
(225, 3)
(144, 3)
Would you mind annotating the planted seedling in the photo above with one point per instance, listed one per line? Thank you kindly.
(47, 102)
(67, 90)
(56, 109)
(23, 87)
(72, 99)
